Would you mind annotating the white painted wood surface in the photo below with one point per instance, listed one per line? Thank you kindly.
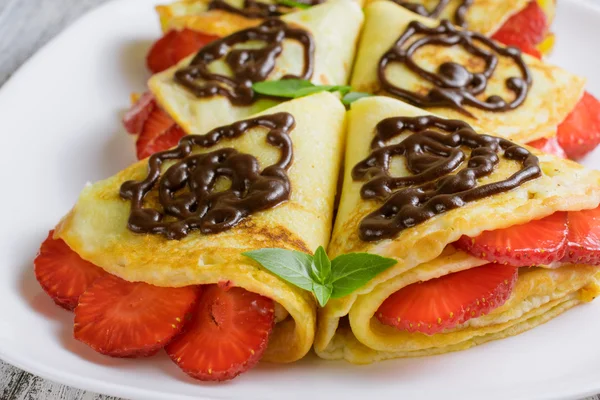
(26, 25)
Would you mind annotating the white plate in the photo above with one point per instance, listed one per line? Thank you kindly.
(59, 124)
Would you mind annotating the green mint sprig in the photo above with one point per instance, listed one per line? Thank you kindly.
(318, 274)
(295, 4)
(351, 97)
(294, 88)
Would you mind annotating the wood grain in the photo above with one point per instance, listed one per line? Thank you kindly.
(25, 26)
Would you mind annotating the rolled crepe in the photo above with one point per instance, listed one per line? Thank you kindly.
(553, 92)
(485, 16)
(349, 328)
(97, 226)
(200, 16)
(334, 27)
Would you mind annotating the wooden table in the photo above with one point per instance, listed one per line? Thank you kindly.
(25, 25)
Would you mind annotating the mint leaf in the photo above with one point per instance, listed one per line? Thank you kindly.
(317, 274)
(294, 88)
(321, 266)
(282, 88)
(351, 97)
(321, 88)
(322, 292)
(290, 265)
(354, 270)
(295, 4)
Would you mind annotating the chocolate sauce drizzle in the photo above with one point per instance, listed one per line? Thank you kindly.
(257, 9)
(186, 190)
(247, 65)
(459, 15)
(453, 85)
(432, 156)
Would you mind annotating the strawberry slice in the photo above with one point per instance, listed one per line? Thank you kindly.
(439, 304)
(158, 133)
(580, 131)
(525, 30)
(174, 46)
(550, 146)
(131, 319)
(137, 115)
(583, 240)
(226, 336)
(537, 242)
(62, 273)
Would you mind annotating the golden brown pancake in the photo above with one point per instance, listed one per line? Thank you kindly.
(424, 251)
(553, 93)
(97, 226)
(334, 26)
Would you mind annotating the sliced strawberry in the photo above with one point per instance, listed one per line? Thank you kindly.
(535, 243)
(174, 46)
(62, 273)
(227, 335)
(550, 146)
(131, 319)
(532, 51)
(580, 131)
(439, 304)
(158, 133)
(525, 30)
(137, 115)
(583, 246)
(169, 139)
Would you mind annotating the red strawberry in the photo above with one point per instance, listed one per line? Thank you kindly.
(227, 335)
(62, 273)
(158, 133)
(174, 47)
(580, 131)
(131, 319)
(524, 30)
(550, 146)
(536, 242)
(439, 304)
(532, 51)
(583, 241)
(137, 115)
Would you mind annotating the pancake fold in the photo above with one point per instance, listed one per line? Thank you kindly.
(333, 27)
(348, 327)
(449, 66)
(97, 226)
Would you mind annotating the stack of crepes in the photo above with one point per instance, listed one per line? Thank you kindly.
(443, 57)
(409, 194)
(490, 238)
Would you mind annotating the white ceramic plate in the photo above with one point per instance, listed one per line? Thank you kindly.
(60, 127)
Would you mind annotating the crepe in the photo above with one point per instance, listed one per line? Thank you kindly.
(348, 327)
(199, 16)
(334, 26)
(485, 16)
(552, 95)
(97, 226)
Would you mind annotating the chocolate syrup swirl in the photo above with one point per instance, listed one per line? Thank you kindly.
(257, 9)
(247, 65)
(459, 15)
(186, 190)
(439, 184)
(454, 85)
